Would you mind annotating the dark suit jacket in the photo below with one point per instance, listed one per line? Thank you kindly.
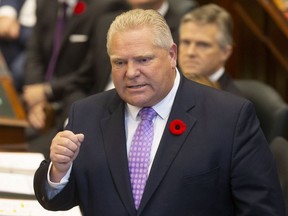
(227, 84)
(221, 165)
(102, 67)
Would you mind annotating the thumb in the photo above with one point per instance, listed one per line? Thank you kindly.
(80, 137)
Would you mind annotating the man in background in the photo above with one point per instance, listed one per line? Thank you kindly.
(205, 44)
(59, 64)
(17, 18)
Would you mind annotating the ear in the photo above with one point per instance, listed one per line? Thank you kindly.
(227, 51)
(173, 54)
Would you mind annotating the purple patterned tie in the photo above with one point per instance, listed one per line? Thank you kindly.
(58, 35)
(139, 155)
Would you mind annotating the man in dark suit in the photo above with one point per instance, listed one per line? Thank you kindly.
(208, 154)
(54, 80)
(206, 41)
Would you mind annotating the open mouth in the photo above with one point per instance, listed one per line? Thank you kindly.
(136, 86)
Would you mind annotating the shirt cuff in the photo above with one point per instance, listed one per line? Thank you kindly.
(8, 11)
(62, 183)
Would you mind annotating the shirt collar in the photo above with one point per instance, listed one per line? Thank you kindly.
(70, 3)
(163, 108)
(216, 76)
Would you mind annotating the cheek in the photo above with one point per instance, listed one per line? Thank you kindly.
(210, 57)
(166, 80)
(116, 77)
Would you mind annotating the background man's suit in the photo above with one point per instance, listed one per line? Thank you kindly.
(226, 83)
(73, 71)
(200, 172)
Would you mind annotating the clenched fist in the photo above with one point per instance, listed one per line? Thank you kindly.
(63, 151)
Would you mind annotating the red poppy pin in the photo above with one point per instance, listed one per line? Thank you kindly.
(177, 127)
(79, 8)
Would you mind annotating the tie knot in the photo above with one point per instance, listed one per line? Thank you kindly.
(63, 6)
(147, 113)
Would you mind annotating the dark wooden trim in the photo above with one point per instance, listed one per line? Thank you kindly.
(258, 33)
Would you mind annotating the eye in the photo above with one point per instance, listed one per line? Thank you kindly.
(203, 45)
(118, 62)
(185, 43)
(144, 60)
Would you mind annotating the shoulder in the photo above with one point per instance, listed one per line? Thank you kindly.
(104, 100)
(204, 96)
(227, 84)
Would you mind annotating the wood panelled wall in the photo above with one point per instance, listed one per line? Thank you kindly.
(261, 42)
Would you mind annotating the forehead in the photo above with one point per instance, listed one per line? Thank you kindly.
(199, 31)
(139, 40)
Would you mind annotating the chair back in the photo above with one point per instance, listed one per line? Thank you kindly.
(271, 109)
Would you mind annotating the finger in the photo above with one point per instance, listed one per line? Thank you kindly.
(75, 138)
(68, 140)
(36, 121)
(61, 150)
(80, 137)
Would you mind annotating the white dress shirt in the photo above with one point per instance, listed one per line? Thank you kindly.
(71, 4)
(216, 76)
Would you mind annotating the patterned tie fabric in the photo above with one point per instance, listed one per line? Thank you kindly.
(58, 35)
(139, 155)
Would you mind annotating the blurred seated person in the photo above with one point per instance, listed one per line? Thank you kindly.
(17, 18)
(183, 6)
(59, 65)
(205, 45)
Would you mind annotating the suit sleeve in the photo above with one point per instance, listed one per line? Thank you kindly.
(255, 186)
(63, 200)
(16, 4)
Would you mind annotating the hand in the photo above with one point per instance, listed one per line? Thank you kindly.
(34, 94)
(9, 28)
(63, 151)
(37, 116)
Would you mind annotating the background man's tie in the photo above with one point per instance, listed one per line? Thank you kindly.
(139, 155)
(58, 36)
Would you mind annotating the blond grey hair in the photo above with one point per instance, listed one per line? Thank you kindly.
(139, 18)
(216, 15)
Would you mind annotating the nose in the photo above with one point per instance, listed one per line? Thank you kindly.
(132, 70)
(191, 50)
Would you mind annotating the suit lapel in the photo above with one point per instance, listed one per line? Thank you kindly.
(74, 21)
(170, 144)
(114, 130)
